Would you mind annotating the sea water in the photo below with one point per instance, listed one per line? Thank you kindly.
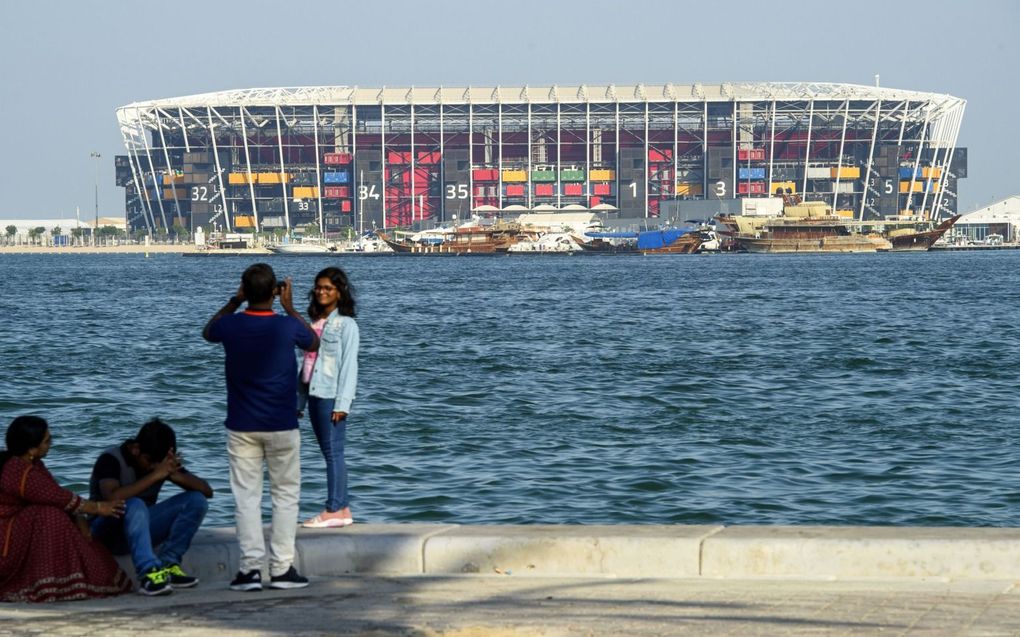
(738, 389)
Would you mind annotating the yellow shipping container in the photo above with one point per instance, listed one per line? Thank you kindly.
(918, 186)
(172, 179)
(244, 221)
(846, 172)
(306, 192)
(791, 185)
(846, 214)
(168, 193)
(934, 173)
(602, 174)
(688, 190)
(238, 179)
(273, 178)
(515, 175)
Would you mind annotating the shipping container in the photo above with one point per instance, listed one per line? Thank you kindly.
(397, 157)
(244, 221)
(751, 173)
(783, 186)
(176, 179)
(573, 189)
(542, 175)
(335, 192)
(334, 159)
(846, 172)
(341, 177)
(751, 188)
(602, 174)
(515, 190)
(602, 189)
(751, 154)
(544, 190)
(572, 175)
(819, 172)
(515, 175)
(306, 192)
(345, 205)
(237, 179)
(660, 156)
(488, 174)
(272, 178)
(688, 189)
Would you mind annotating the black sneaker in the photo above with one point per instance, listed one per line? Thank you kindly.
(155, 581)
(178, 578)
(290, 579)
(250, 581)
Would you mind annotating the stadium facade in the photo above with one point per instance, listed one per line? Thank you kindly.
(337, 157)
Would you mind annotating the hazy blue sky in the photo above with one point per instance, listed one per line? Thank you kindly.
(67, 65)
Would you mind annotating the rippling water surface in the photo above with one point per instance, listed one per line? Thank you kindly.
(737, 389)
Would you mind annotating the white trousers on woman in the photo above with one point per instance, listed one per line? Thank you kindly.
(280, 451)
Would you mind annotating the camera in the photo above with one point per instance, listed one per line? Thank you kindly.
(280, 285)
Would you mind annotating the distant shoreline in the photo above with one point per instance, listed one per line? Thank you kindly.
(180, 248)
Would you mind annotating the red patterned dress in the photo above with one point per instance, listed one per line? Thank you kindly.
(43, 555)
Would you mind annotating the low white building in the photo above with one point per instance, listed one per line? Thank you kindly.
(1000, 218)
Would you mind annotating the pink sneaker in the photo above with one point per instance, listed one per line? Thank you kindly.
(327, 520)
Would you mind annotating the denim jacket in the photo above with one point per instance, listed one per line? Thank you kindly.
(335, 374)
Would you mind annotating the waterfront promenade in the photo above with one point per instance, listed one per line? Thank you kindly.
(422, 580)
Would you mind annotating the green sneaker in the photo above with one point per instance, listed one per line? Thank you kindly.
(155, 581)
(178, 578)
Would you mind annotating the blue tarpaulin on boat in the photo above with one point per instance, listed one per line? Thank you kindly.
(653, 239)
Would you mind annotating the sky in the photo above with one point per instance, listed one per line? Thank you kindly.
(65, 66)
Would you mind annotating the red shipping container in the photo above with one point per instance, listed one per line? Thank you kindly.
(544, 190)
(395, 157)
(336, 192)
(345, 205)
(485, 174)
(655, 155)
(333, 159)
(753, 188)
(573, 189)
(595, 201)
(515, 190)
(601, 189)
(428, 157)
(751, 154)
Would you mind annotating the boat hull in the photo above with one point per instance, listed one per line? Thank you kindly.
(820, 245)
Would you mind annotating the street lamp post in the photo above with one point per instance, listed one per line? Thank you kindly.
(95, 155)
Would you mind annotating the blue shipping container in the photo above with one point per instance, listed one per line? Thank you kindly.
(341, 177)
(752, 173)
(906, 172)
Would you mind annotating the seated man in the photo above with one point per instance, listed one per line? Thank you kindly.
(134, 472)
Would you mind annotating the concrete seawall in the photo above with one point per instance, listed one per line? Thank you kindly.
(636, 551)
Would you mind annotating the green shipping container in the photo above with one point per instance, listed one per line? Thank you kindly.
(543, 175)
(572, 175)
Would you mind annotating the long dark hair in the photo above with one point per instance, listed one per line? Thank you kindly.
(23, 433)
(339, 278)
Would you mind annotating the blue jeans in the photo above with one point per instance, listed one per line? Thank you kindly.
(331, 441)
(169, 524)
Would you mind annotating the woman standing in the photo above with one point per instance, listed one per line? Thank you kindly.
(46, 553)
(329, 378)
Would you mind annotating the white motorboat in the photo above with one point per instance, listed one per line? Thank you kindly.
(302, 247)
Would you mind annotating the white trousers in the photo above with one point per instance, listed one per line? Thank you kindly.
(280, 451)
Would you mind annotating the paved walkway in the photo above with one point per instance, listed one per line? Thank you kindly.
(511, 606)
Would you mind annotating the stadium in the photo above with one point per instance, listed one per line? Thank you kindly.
(342, 157)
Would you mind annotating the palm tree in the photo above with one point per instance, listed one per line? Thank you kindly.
(11, 231)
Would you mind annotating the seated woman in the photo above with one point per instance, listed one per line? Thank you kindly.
(46, 554)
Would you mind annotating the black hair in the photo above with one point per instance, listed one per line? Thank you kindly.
(155, 439)
(338, 277)
(23, 433)
(259, 283)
